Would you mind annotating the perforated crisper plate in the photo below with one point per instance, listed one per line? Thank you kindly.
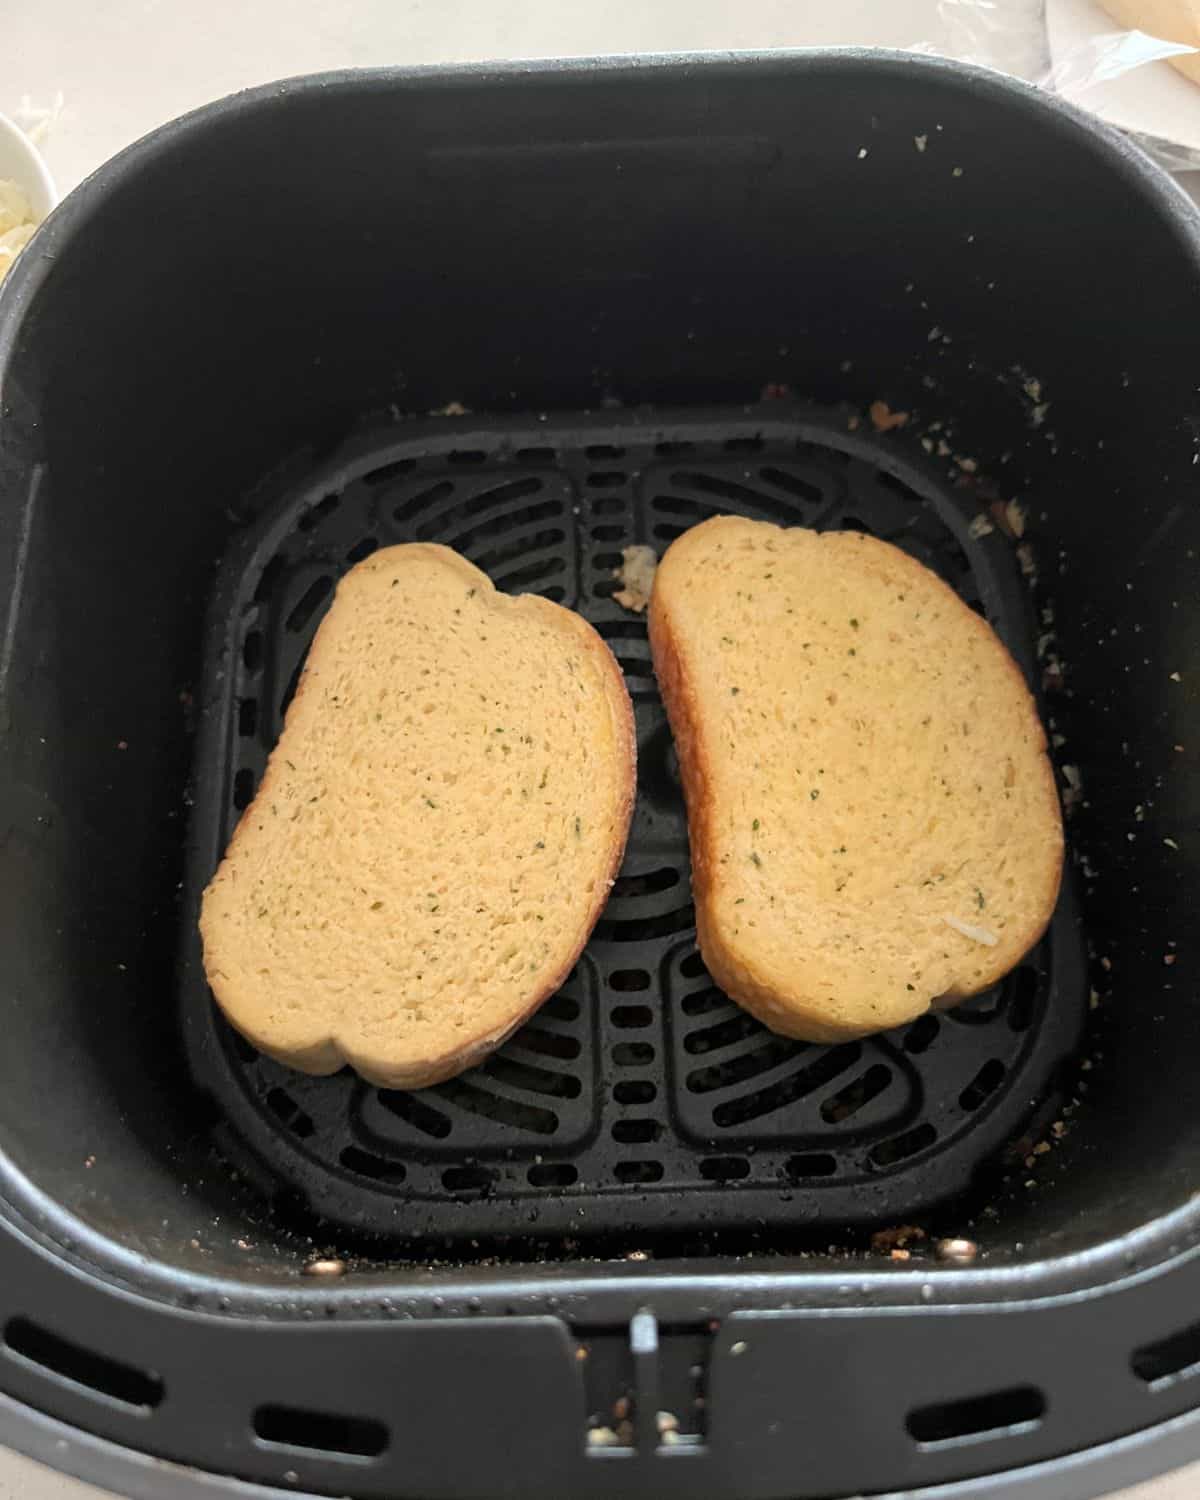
(639, 1098)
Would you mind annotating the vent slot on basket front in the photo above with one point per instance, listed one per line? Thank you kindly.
(1000, 1414)
(71, 1362)
(1169, 1360)
(326, 1433)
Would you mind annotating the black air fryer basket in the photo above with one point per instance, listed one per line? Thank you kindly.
(541, 314)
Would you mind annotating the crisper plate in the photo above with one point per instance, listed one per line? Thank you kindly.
(639, 1098)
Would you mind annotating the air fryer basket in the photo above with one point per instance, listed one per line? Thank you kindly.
(640, 1098)
(540, 314)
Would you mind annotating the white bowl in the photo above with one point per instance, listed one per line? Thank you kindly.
(21, 162)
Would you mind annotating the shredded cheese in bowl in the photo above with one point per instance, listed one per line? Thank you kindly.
(17, 224)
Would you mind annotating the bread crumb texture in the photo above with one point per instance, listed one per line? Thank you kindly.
(436, 832)
(874, 821)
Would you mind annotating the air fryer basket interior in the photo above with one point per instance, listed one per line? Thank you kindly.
(223, 314)
(640, 1100)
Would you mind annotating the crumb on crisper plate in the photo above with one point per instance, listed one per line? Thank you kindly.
(636, 573)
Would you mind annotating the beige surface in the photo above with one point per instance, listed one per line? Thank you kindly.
(1182, 1485)
(124, 66)
(21, 1479)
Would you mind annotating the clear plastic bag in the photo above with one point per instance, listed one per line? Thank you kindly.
(1051, 44)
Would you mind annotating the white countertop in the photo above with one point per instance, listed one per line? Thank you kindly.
(125, 66)
(20, 1479)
